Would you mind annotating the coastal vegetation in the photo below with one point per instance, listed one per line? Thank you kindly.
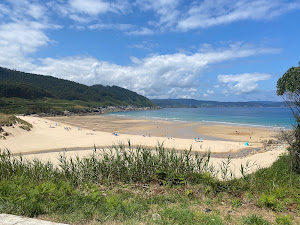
(11, 121)
(30, 93)
(152, 186)
(288, 86)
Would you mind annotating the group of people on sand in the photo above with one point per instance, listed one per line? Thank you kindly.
(67, 128)
(198, 139)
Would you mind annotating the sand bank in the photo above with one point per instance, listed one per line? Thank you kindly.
(80, 133)
(89, 131)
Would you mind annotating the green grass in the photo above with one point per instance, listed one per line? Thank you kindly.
(142, 186)
(255, 220)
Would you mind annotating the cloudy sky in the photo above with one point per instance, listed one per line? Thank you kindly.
(224, 50)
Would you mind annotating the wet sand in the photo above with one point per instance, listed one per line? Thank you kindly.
(163, 128)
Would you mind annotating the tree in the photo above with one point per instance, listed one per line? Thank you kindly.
(288, 86)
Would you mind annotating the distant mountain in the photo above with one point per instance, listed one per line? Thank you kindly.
(38, 89)
(192, 103)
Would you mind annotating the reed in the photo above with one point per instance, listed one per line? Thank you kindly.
(132, 184)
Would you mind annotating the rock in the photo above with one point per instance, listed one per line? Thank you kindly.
(8, 219)
(156, 216)
(207, 210)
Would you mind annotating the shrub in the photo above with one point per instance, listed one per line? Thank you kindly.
(284, 220)
(255, 220)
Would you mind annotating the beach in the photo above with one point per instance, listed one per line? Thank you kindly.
(79, 135)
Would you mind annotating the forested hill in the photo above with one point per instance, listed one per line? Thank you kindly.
(192, 103)
(35, 88)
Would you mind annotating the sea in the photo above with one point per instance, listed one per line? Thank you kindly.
(242, 116)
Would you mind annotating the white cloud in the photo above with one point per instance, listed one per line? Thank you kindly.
(168, 15)
(166, 10)
(215, 12)
(19, 39)
(145, 45)
(91, 7)
(85, 11)
(24, 9)
(80, 19)
(242, 83)
(186, 93)
(142, 31)
(174, 75)
(102, 26)
(36, 11)
(208, 93)
(4, 10)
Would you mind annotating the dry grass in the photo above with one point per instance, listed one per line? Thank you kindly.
(7, 120)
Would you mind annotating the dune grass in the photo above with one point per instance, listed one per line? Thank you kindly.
(7, 120)
(119, 186)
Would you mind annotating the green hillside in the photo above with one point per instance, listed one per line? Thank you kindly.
(192, 103)
(24, 92)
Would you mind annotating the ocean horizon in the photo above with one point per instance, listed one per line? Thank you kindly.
(274, 117)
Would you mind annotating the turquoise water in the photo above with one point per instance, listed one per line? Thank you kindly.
(268, 117)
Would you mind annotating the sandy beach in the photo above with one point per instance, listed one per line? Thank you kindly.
(77, 135)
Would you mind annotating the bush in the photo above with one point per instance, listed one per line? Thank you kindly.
(284, 220)
(255, 220)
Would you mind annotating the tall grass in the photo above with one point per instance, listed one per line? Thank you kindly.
(115, 164)
(80, 189)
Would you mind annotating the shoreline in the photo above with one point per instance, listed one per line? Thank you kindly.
(203, 122)
(77, 136)
(98, 130)
(169, 128)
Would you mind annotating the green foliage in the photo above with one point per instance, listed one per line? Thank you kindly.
(284, 220)
(135, 165)
(290, 81)
(38, 88)
(209, 219)
(179, 216)
(236, 203)
(267, 201)
(255, 220)
(109, 187)
(289, 85)
(10, 89)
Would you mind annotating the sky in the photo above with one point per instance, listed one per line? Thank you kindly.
(221, 50)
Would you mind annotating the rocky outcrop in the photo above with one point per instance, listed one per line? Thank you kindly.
(98, 110)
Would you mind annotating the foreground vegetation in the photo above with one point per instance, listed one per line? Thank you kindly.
(142, 186)
(288, 87)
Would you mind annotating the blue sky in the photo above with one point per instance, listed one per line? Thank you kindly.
(223, 50)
